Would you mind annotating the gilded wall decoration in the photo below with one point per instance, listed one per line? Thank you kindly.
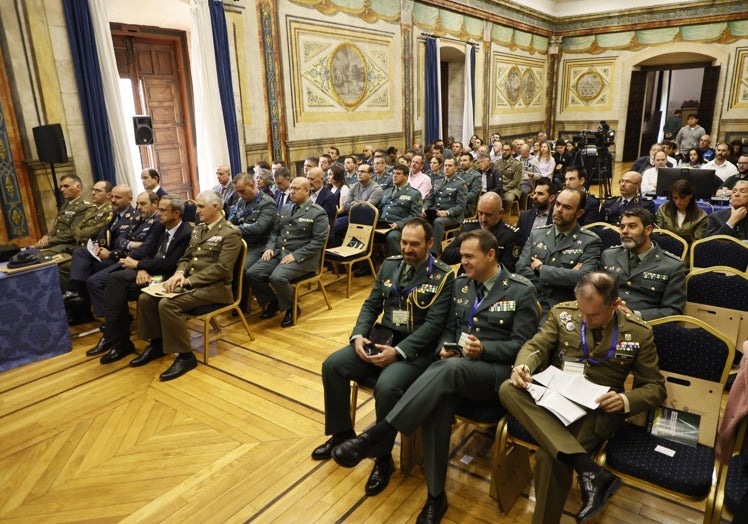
(587, 85)
(519, 83)
(739, 97)
(335, 71)
(10, 194)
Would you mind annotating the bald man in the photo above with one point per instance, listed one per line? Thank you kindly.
(631, 197)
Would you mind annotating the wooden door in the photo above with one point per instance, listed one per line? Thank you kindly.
(708, 99)
(632, 137)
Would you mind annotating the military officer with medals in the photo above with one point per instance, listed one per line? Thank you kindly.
(447, 200)
(555, 257)
(412, 293)
(652, 281)
(60, 238)
(631, 197)
(493, 313)
(96, 217)
(591, 335)
(293, 250)
(203, 276)
(399, 203)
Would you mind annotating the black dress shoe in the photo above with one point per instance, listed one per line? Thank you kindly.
(288, 319)
(270, 311)
(179, 368)
(72, 298)
(595, 489)
(118, 352)
(433, 510)
(352, 451)
(102, 347)
(150, 353)
(324, 451)
(380, 475)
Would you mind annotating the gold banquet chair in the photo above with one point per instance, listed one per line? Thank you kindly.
(308, 280)
(358, 244)
(207, 314)
(671, 242)
(719, 250)
(608, 233)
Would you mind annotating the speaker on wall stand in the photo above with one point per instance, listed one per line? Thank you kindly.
(50, 147)
(143, 128)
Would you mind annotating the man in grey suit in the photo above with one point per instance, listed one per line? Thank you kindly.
(555, 257)
(652, 281)
(225, 187)
(493, 313)
(413, 293)
(293, 250)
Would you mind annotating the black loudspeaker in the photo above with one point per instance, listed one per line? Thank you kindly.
(50, 144)
(143, 129)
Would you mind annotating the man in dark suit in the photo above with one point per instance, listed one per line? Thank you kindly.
(282, 187)
(225, 187)
(613, 208)
(575, 178)
(412, 291)
(152, 182)
(732, 222)
(203, 276)
(541, 213)
(321, 195)
(490, 211)
(645, 162)
(564, 449)
(493, 313)
(157, 257)
(491, 179)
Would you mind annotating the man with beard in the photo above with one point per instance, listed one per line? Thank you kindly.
(555, 257)
(511, 175)
(742, 173)
(652, 281)
(542, 206)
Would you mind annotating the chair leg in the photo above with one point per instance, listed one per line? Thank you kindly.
(295, 306)
(244, 322)
(324, 293)
(371, 266)
(354, 401)
(349, 270)
(206, 339)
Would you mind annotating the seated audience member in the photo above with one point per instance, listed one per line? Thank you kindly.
(264, 181)
(309, 163)
(559, 155)
(652, 281)
(555, 257)
(723, 168)
(338, 184)
(507, 313)
(436, 171)
(417, 178)
(225, 187)
(511, 176)
(365, 190)
(293, 250)
(447, 203)
(649, 178)
(489, 219)
(541, 213)
(681, 215)
(404, 160)
(707, 153)
(575, 178)
(60, 238)
(742, 173)
(282, 187)
(203, 276)
(413, 294)
(613, 208)
(96, 217)
(334, 153)
(567, 449)
(694, 159)
(732, 222)
(490, 177)
(350, 164)
(546, 161)
(736, 151)
(151, 180)
(399, 203)
(674, 158)
(391, 158)
(381, 175)
(645, 162)
(473, 179)
(322, 196)
(530, 169)
(157, 257)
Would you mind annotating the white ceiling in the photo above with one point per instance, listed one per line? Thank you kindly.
(571, 8)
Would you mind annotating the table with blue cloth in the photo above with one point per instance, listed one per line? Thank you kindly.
(708, 207)
(33, 322)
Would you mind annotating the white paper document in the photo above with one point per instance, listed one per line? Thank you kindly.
(92, 248)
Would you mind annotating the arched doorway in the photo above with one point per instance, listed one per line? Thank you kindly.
(453, 95)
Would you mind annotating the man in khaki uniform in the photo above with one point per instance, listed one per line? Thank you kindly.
(60, 238)
(96, 217)
(511, 174)
(590, 335)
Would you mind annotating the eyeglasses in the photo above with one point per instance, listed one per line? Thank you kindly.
(743, 163)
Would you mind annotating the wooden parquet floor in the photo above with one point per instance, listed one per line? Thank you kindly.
(229, 441)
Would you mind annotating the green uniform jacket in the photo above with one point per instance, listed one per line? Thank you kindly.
(302, 234)
(689, 231)
(505, 319)
(655, 289)
(556, 280)
(635, 352)
(71, 214)
(448, 194)
(511, 174)
(474, 181)
(255, 219)
(96, 218)
(398, 204)
(427, 301)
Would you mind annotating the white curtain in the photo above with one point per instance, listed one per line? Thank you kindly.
(468, 124)
(212, 146)
(126, 172)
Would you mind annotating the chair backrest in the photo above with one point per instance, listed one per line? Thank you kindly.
(608, 233)
(669, 241)
(695, 360)
(719, 250)
(362, 221)
(236, 283)
(321, 267)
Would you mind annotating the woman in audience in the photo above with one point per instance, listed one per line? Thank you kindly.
(695, 161)
(681, 215)
(436, 168)
(404, 160)
(546, 160)
(736, 149)
(264, 180)
(338, 185)
(475, 143)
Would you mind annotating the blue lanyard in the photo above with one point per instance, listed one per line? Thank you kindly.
(476, 305)
(409, 291)
(611, 351)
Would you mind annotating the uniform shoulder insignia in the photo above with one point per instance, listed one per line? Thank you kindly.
(442, 265)
(637, 320)
(470, 221)
(587, 232)
(520, 279)
(571, 304)
(394, 257)
(461, 278)
(674, 257)
(86, 202)
(510, 227)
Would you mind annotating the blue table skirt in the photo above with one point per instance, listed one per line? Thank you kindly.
(708, 207)
(33, 322)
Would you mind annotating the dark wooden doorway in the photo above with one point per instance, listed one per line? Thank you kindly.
(155, 62)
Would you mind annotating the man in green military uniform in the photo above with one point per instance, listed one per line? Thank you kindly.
(413, 294)
(555, 257)
(493, 313)
(511, 175)
(591, 336)
(652, 280)
(473, 180)
(60, 238)
(447, 201)
(96, 217)
(399, 203)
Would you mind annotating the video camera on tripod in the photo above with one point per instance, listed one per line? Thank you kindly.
(603, 138)
(595, 149)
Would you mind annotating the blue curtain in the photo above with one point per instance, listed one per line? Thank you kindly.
(223, 70)
(472, 76)
(432, 131)
(90, 88)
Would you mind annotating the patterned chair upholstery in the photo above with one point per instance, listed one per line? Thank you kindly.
(719, 250)
(671, 242)
(608, 233)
